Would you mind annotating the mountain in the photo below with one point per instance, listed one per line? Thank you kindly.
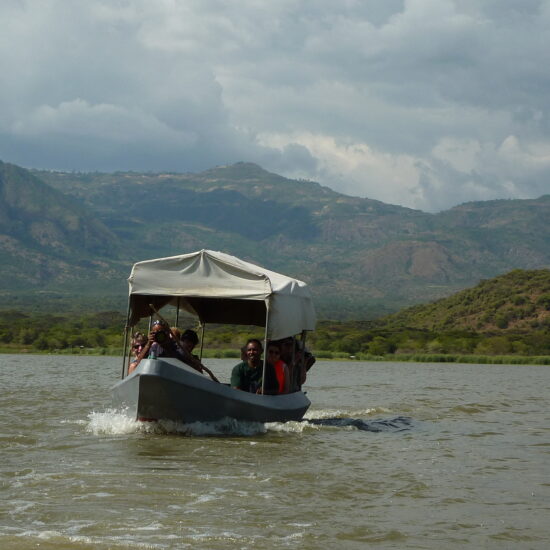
(45, 235)
(362, 257)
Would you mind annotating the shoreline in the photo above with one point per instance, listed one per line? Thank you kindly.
(321, 356)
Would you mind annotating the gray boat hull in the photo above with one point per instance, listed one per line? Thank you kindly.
(167, 389)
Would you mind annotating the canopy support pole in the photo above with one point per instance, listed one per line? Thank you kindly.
(125, 344)
(201, 327)
(265, 344)
(303, 356)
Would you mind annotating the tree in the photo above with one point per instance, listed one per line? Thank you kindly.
(41, 343)
(380, 346)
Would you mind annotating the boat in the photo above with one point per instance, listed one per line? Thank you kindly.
(215, 288)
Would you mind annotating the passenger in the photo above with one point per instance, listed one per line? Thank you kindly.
(189, 339)
(291, 355)
(304, 360)
(162, 343)
(247, 375)
(139, 340)
(310, 359)
(281, 368)
(286, 346)
(175, 331)
(186, 343)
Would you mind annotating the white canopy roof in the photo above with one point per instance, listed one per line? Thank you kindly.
(220, 288)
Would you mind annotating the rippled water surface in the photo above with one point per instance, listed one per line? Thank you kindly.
(391, 455)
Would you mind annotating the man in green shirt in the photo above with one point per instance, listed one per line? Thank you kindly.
(247, 375)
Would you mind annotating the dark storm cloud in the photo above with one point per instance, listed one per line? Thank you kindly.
(425, 103)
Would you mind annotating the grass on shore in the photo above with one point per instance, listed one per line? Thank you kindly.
(321, 355)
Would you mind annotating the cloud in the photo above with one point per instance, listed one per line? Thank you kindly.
(113, 123)
(425, 103)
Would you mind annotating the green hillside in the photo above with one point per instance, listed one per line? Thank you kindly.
(49, 239)
(47, 219)
(505, 319)
(518, 301)
(506, 315)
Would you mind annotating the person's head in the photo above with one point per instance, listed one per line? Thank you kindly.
(138, 343)
(273, 352)
(161, 332)
(189, 339)
(254, 351)
(286, 346)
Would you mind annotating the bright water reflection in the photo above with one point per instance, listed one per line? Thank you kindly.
(391, 455)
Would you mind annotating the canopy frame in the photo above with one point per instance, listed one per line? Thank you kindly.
(219, 288)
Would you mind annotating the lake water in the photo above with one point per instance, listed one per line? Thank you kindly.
(391, 455)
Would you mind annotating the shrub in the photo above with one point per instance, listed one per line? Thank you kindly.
(544, 300)
(380, 346)
(501, 321)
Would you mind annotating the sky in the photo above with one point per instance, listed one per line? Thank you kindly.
(422, 103)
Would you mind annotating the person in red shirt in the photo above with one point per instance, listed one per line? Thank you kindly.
(281, 369)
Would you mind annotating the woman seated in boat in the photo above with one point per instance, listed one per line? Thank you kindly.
(247, 375)
(139, 341)
(281, 368)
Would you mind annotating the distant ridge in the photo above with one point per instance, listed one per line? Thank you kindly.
(46, 218)
(363, 258)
